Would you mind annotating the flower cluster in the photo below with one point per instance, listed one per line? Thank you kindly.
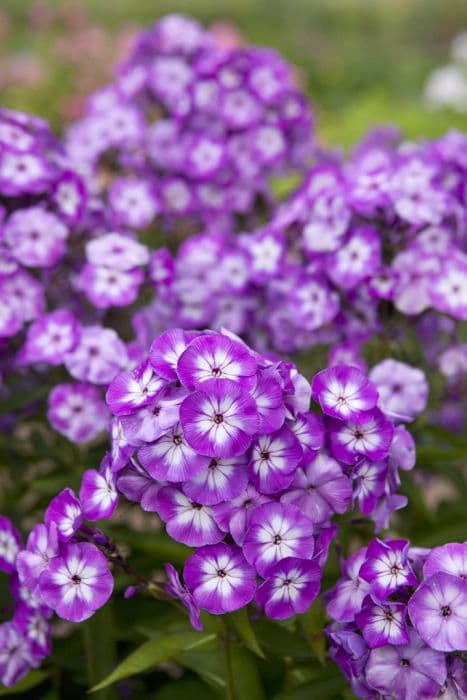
(41, 200)
(190, 128)
(400, 621)
(220, 443)
(360, 245)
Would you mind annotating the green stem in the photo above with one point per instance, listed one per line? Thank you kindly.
(229, 688)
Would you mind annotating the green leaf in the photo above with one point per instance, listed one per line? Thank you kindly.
(210, 667)
(239, 621)
(312, 624)
(246, 678)
(324, 689)
(183, 689)
(99, 646)
(154, 652)
(278, 640)
(30, 681)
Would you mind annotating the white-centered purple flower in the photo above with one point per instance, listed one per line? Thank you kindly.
(220, 579)
(319, 489)
(370, 483)
(128, 391)
(10, 545)
(346, 598)
(50, 338)
(273, 460)
(64, 511)
(41, 546)
(290, 588)
(77, 411)
(98, 493)
(402, 389)
(187, 521)
(117, 252)
(450, 558)
(77, 582)
(216, 357)
(220, 482)
(177, 590)
(98, 356)
(387, 568)
(170, 457)
(309, 430)
(382, 623)
(407, 671)
(166, 350)
(16, 654)
(277, 531)
(234, 516)
(343, 392)
(36, 237)
(219, 419)
(438, 610)
(369, 436)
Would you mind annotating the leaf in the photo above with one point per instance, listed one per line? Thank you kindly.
(99, 646)
(278, 640)
(152, 653)
(210, 667)
(246, 678)
(240, 623)
(183, 689)
(312, 624)
(30, 681)
(324, 689)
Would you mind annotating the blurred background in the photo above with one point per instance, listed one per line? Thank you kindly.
(362, 61)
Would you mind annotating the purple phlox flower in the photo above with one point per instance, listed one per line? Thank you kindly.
(187, 521)
(386, 506)
(402, 451)
(98, 493)
(448, 291)
(98, 357)
(37, 630)
(269, 402)
(266, 250)
(348, 649)
(356, 259)
(77, 411)
(205, 156)
(273, 460)
(41, 546)
(346, 598)
(170, 457)
(116, 251)
(319, 489)
(290, 588)
(129, 391)
(23, 595)
(222, 481)
(216, 357)
(138, 487)
(161, 267)
(220, 579)
(220, 419)
(166, 350)
(450, 558)
(36, 237)
(154, 420)
(387, 568)
(312, 303)
(407, 671)
(438, 610)
(65, 512)
(23, 299)
(106, 286)
(323, 540)
(70, 197)
(234, 516)
(343, 392)
(77, 582)
(347, 353)
(382, 623)
(403, 390)
(133, 202)
(369, 435)
(308, 428)
(121, 449)
(277, 531)
(413, 273)
(50, 338)
(370, 484)
(16, 654)
(456, 685)
(177, 590)
(10, 545)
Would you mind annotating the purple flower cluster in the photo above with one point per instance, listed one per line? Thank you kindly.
(400, 621)
(220, 443)
(190, 129)
(383, 230)
(42, 200)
